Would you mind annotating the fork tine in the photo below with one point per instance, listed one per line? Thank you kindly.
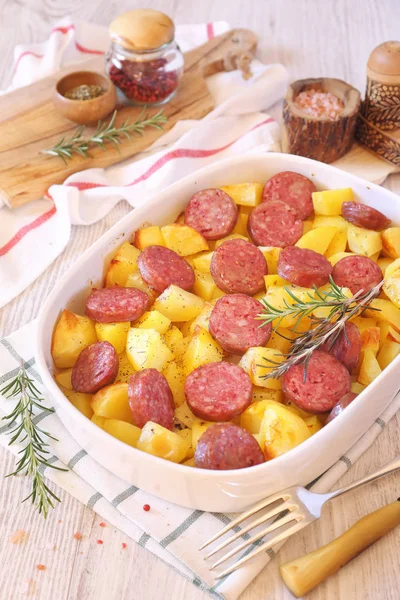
(275, 511)
(278, 538)
(263, 504)
(275, 525)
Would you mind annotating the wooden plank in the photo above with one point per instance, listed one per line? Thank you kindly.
(26, 174)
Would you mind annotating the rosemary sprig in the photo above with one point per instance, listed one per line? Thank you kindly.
(323, 330)
(79, 144)
(26, 431)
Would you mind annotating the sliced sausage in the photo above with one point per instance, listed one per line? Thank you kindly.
(96, 367)
(234, 325)
(109, 305)
(161, 267)
(225, 446)
(357, 273)
(292, 189)
(212, 212)
(237, 266)
(326, 382)
(150, 399)
(364, 216)
(218, 391)
(347, 346)
(340, 406)
(274, 224)
(303, 267)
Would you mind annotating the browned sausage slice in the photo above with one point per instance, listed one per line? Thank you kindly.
(218, 391)
(234, 325)
(327, 381)
(303, 267)
(109, 305)
(347, 346)
(161, 267)
(340, 406)
(150, 399)
(237, 266)
(274, 224)
(364, 216)
(225, 446)
(293, 189)
(96, 367)
(212, 212)
(357, 273)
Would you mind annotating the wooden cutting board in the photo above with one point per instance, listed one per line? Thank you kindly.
(30, 123)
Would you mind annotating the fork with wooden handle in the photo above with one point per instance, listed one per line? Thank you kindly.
(304, 574)
(284, 513)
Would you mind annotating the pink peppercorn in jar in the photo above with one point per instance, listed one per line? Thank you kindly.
(144, 62)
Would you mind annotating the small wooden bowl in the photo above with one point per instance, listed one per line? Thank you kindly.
(85, 111)
(320, 138)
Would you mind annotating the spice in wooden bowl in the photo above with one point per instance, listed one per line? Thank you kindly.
(84, 92)
(85, 97)
(320, 117)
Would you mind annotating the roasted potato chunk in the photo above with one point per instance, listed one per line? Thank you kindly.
(122, 265)
(123, 431)
(317, 239)
(202, 349)
(178, 305)
(112, 402)
(149, 236)
(329, 202)
(159, 441)
(245, 194)
(146, 349)
(183, 240)
(71, 335)
(114, 333)
(281, 430)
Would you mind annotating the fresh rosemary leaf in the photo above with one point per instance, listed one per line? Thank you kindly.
(34, 453)
(78, 144)
(342, 308)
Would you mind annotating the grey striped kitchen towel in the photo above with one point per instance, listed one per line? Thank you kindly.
(171, 532)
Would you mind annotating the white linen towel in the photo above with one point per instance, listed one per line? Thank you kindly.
(172, 532)
(31, 237)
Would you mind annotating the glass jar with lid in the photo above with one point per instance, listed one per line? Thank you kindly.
(144, 62)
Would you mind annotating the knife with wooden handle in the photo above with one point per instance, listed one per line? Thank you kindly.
(304, 574)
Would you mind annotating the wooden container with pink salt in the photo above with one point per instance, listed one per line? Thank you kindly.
(320, 117)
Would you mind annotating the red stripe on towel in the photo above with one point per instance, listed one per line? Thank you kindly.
(174, 154)
(21, 233)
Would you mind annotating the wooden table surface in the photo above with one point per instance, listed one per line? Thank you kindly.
(311, 38)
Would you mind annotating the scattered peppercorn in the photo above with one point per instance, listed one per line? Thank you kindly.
(84, 92)
(145, 81)
(146, 507)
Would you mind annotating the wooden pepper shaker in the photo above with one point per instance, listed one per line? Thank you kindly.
(379, 122)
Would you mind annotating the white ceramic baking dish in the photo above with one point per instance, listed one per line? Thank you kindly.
(225, 491)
